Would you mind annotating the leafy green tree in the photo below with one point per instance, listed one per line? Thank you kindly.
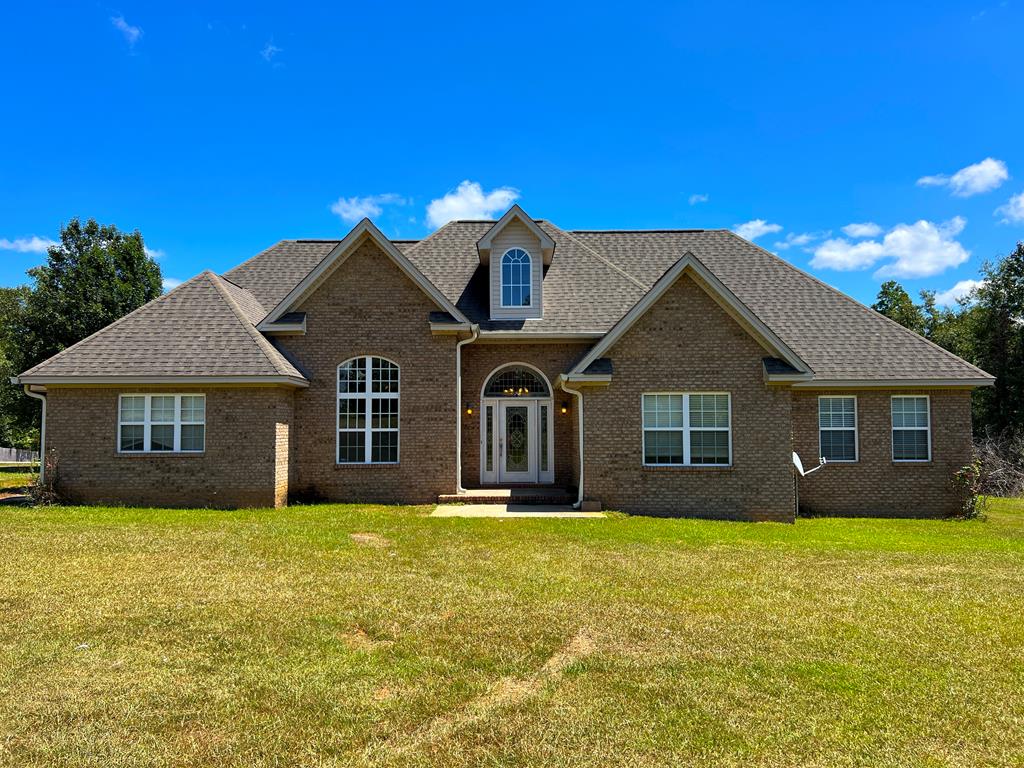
(894, 302)
(93, 276)
(953, 329)
(1000, 340)
(16, 411)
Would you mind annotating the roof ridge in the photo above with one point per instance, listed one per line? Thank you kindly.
(636, 231)
(849, 299)
(603, 259)
(232, 283)
(110, 326)
(258, 338)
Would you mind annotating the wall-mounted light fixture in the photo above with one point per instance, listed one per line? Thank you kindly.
(469, 410)
(565, 406)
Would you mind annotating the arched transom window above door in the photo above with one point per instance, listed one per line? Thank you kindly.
(517, 381)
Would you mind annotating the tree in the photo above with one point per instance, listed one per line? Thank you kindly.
(1000, 339)
(93, 276)
(16, 411)
(895, 303)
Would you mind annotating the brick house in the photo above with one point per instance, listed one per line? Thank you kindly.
(660, 372)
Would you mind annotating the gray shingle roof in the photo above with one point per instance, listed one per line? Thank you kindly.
(201, 328)
(208, 324)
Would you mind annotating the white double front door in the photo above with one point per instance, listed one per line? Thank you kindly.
(517, 441)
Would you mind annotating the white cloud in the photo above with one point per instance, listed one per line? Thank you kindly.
(154, 253)
(170, 283)
(840, 254)
(1013, 211)
(270, 51)
(799, 240)
(972, 180)
(862, 229)
(131, 33)
(469, 201)
(921, 249)
(698, 198)
(353, 209)
(950, 297)
(752, 230)
(32, 244)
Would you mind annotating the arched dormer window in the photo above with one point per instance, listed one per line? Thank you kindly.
(368, 411)
(516, 278)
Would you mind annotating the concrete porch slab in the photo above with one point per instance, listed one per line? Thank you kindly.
(509, 510)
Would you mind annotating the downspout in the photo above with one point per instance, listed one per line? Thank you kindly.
(474, 334)
(42, 433)
(579, 429)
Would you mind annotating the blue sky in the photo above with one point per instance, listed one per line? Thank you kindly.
(219, 128)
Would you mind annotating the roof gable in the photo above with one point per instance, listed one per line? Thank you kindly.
(717, 290)
(515, 213)
(360, 232)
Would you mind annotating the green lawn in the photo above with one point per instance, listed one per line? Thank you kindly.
(14, 477)
(276, 638)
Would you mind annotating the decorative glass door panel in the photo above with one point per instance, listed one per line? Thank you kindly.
(517, 439)
(517, 442)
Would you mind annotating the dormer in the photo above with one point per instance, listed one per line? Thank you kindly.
(516, 251)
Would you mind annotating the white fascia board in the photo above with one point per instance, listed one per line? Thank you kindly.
(339, 253)
(690, 262)
(183, 380)
(527, 336)
(894, 383)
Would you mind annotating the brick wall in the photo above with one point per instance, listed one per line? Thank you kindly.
(479, 360)
(686, 343)
(369, 307)
(238, 468)
(875, 485)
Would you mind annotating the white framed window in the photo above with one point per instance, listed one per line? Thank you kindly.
(911, 428)
(516, 278)
(837, 428)
(687, 429)
(161, 423)
(368, 402)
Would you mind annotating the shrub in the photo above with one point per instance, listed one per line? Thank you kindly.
(1001, 464)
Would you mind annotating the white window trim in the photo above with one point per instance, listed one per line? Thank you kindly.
(685, 429)
(501, 278)
(856, 429)
(147, 422)
(369, 395)
(893, 429)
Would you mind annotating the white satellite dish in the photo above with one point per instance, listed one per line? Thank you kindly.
(800, 465)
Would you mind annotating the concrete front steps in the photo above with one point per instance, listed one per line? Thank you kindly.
(533, 495)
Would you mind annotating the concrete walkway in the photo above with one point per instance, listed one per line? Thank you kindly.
(509, 510)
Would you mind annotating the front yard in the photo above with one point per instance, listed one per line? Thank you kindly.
(343, 635)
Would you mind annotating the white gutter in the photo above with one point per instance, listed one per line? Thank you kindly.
(42, 433)
(579, 416)
(475, 333)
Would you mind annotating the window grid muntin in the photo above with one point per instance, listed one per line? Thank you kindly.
(180, 422)
(669, 437)
(368, 412)
(516, 279)
(837, 422)
(911, 421)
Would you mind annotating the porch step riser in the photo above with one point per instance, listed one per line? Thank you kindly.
(547, 499)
